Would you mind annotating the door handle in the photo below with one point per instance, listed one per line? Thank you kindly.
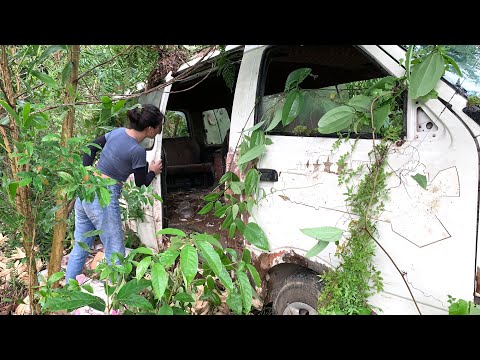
(268, 175)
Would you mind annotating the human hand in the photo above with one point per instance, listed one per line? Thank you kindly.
(156, 166)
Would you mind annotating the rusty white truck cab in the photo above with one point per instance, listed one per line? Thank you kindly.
(431, 234)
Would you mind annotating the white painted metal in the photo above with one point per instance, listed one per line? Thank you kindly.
(153, 214)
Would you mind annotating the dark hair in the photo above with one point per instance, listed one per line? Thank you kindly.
(144, 116)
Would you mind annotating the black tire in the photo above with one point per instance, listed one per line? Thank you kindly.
(298, 294)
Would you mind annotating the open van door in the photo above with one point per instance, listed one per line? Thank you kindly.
(153, 215)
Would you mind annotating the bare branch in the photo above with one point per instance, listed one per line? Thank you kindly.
(399, 271)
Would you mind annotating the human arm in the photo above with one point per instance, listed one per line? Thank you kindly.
(142, 177)
(89, 159)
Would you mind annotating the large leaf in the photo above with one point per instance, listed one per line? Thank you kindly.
(159, 279)
(45, 79)
(168, 257)
(292, 107)
(336, 119)
(296, 77)
(189, 263)
(360, 103)
(255, 275)
(426, 75)
(277, 117)
(255, 236)
(209, 238)
(9, 110)
(380, 115)
(325, 233)
(408, 59)
(137, 301)
(252, 154)
(71, 300)
(213, 260)
(245, 291)
(142, 267)
(316, 249)
(134, 286)
(251, 181)
(234, 302)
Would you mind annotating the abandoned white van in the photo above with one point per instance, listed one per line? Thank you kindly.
(430, 234)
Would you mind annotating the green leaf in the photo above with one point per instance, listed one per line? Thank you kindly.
(9, 110)
(5, 120)
(421, 180)
(139, 250)
(255, 127)
(316, 249)
(105, 195)
(137, 301)
(55, 277)
(324, 233)
(12, 190)
(84, 246)
(209, 238)
(426, 75)
(165, 310)
(171, 231)
(189, 263)
(380, 115)
(246, 255)
(452, 62)
(26, 112)
(245, 291)
(45, 79)
(234, 302)
(296, 77)
(255, 275)
(51, 137)
(277, 117)
(132, 287)
(206, 209)
(459, 307)
(159, 280)
(118, 106)
(25, 181)
(142, 267)
(213, 260)
(71, 300)
(236, 187)
(251, 181)
(212, 196)
(431, 95)
(292, 107)
(336, 119)
(225, 177)
(407, 61)
(255, 236)
(67, 70)
(168, 257)
(50, 50)
(183, 297)
(65, 176)
(252, 154)
(360, 103)
(231, 230)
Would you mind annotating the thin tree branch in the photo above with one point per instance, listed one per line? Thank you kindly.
(400, 272)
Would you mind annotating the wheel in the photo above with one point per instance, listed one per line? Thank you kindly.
(298, 294)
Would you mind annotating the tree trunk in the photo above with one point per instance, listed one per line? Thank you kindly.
(23, 202)
(61, 215)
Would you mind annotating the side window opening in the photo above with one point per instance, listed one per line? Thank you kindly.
(339, 72)
(216, 123)
(175, 125)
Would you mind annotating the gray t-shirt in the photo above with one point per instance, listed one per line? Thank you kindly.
(121, 155)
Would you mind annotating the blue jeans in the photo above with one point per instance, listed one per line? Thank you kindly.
(91, 216)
